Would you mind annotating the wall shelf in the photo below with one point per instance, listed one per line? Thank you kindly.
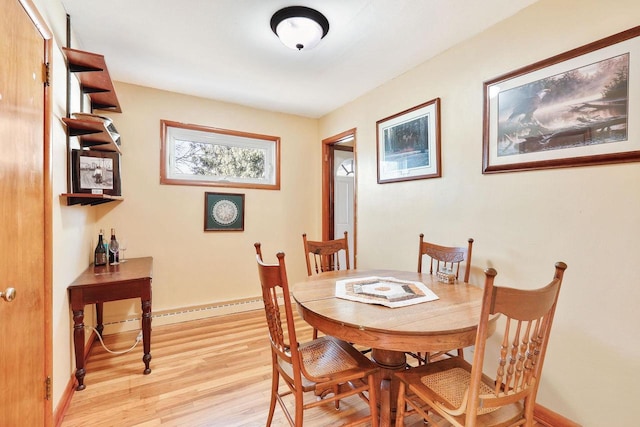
(94, 78)
(89, 199)
(92, 134)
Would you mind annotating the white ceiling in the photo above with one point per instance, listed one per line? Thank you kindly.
(225, 49)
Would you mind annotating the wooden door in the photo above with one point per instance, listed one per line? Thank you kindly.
(24, 209)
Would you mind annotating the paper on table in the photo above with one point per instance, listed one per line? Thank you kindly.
(387, 291)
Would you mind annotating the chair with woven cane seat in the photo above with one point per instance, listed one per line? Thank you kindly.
(326, 254)
(446, 257)
(460, 392)
(443, 257)
(326, 257)
(330, 367)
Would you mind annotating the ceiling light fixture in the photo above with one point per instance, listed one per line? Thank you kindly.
(299, 27)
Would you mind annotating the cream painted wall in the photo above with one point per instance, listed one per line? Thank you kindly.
(72, 225)
(193, 267)
(522, 222)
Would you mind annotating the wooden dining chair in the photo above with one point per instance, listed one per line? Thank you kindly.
(460, 392)
(443, 257)
(330, 367)
(446, 257)
(326, 254)
(326, 257)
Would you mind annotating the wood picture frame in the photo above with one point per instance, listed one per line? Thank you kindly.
(408, 144)
(96, 172)
(223, 212)
(578, 108)
(193, 154)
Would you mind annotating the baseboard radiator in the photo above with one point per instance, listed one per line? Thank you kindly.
(184, 314)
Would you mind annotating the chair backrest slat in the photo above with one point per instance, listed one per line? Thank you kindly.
(527, 325)
(275, 294)
(326, 254)
(446, 257)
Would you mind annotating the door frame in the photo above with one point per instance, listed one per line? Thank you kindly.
(329, 145)
(47, 36)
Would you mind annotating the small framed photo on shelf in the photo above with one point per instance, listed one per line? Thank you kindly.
(409, 144)
(223, 212)
(96, 172)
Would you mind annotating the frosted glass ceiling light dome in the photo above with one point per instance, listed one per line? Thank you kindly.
(299, 27)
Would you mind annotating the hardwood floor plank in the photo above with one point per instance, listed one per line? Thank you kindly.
(209, 372)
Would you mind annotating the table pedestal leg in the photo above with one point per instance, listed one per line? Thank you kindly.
(146, 335)
(389, 362)
(78, 344)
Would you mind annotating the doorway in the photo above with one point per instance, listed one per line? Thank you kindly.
(339, 190)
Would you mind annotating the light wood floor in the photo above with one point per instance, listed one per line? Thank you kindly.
(211, 372)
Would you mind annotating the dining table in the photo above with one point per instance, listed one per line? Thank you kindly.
(446, 323)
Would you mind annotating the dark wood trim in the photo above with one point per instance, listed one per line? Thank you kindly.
(549, 418)
(70, 389)
(164, 124)
(327, 200)
(328, 145)
(586, 160)
(65, 401)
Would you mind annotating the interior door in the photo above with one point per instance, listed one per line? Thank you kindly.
(343, 200)
(23, 257)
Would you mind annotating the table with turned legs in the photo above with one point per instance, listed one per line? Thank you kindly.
(97, 285)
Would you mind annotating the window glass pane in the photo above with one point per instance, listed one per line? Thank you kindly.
(197, 155)
(218, 160)
(345, 168)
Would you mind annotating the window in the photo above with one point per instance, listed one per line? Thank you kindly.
(346, 168)
(200, 155)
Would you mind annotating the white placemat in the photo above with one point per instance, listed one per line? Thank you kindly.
(387, 291)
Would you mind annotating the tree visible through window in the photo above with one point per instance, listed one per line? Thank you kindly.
(199, 158)
(197, 155)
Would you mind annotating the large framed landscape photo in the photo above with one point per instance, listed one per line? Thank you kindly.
(578, 108)
(409, 144)
(96, 172)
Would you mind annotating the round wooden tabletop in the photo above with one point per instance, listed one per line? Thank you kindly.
(447, 323)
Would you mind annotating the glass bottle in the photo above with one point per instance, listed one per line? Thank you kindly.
(114, 255)
(100, 254)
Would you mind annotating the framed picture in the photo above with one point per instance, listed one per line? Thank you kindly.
(578, 108)
(409, 144)
(96, 172)
(223, 212)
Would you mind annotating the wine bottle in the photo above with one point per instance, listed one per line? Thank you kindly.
(114, 253)
(100, 254)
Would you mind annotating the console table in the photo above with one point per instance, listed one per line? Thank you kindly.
(96, 285)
